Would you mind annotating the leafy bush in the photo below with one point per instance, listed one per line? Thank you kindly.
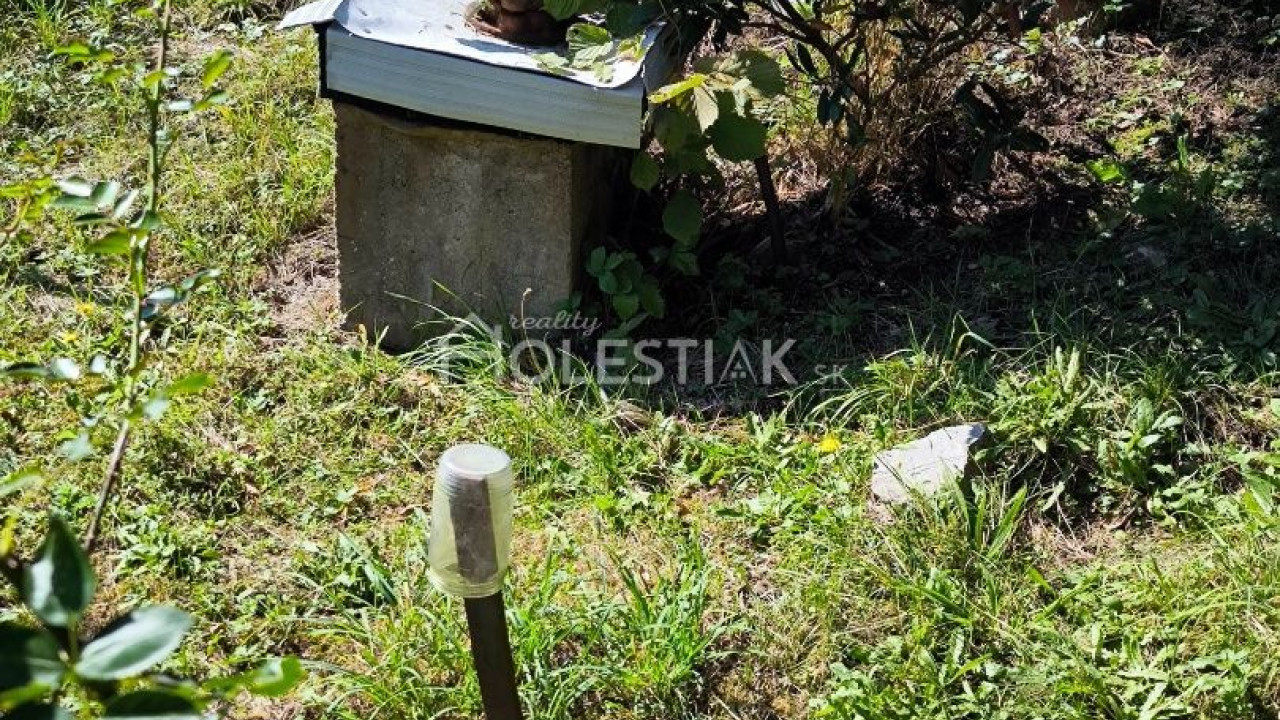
(863, 68)
(43, 665)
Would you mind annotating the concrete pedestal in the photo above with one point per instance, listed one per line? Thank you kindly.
(460, 220)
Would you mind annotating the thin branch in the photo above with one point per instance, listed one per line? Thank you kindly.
(138, 285)
(775, 27)
(773, 209)
(108, 485)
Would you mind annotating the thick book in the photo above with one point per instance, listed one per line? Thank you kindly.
(469, 90)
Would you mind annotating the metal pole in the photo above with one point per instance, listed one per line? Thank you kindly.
(486, 616)
(491, 653)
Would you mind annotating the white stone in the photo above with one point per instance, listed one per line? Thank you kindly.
(925, 465)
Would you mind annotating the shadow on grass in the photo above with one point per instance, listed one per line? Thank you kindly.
(1195, 286)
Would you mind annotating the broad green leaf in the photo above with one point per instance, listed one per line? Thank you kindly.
(626, 283)
(7, 531)
(276, 677)
(153, 704)
(26, 694)
(188, 384)
(214, 66)
(56, 369)
(1105, 170)
(608, 283)
(159, 300)
(590, 38)
(134, 643)
(21, 479)
(154, 407)
(60, 583)
(563, 9)
(116, 242)
(651, 298)
(273, 678)
(685, 262)
(737, 138)
(105, 193)
(626, 305)
(706, 107)
(198, 280)
(77, 448)
(596, 261)
(667, 93)
(110, 76)
(76, 187)
(64, 369)
(75, 49)
(217, 97)
(682, 218)
(88, 219)
(74, 202)
(625, 19)
(25, 370)
(1256, 504)
(644, 171)
(166, 295)
(124, 204)
(675, 130)
(38, 711)
(29, 657)
(554, 63)
(691, 161)
(148, 220)
(764, 72)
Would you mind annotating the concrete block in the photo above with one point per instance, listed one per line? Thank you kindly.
(437, 216)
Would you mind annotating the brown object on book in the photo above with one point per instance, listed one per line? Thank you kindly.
(518, 21)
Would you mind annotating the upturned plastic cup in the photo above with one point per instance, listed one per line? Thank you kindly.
(470, 545)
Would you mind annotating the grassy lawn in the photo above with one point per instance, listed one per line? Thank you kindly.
(707, 552)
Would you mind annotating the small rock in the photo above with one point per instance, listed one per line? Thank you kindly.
(631, 417)
(925, 465)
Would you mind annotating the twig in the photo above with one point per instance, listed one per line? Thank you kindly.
(773, 208)
(108, 485)
(138, 255)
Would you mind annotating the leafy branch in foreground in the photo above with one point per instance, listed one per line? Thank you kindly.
(41, 665)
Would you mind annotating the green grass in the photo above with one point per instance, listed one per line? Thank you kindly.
(674, 557)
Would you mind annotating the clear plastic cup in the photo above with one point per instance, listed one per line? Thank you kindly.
(470, 545)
